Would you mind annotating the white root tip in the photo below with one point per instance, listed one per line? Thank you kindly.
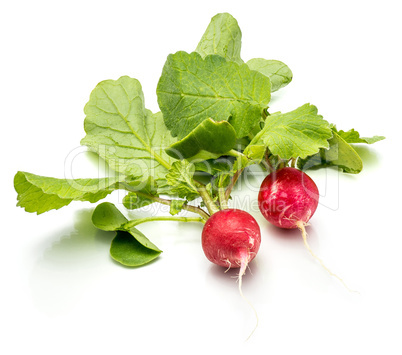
(301, 225)
(243, 266)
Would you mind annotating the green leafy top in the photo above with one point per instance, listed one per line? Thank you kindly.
(209, 140)
(340, 153)
(192, 89)
(277, 71)
(122, 131)
(222, 37)
(298, 133)
(41, 194)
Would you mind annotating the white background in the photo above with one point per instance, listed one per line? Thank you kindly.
(63, 294)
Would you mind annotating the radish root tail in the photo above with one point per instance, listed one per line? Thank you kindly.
(243, 267)
(302, 226)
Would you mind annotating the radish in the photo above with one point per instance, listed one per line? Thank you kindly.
(231, 238)
(288, 199)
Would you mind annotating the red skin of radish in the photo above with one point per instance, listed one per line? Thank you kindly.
(231, 238)
(288, 197)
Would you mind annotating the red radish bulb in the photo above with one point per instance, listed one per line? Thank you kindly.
(231, 238)
(288, 198)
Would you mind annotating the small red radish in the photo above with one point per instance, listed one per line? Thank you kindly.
(288, 199)
(231, 238)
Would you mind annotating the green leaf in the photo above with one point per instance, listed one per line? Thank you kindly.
(222, 37)
(129, 247)
(254, 153)
(163, 187)
(340, 154)
(215, 166)
(122, 131)
(142, 239)
(128, 250)
(192, 89)
(140, 194)
(180, 178)
(41, 194)
(176, 206)
(133, 201)
(353, 136)
(277, 71)
(209, 140)
(299, 133)
(107, 217)
(148, 186)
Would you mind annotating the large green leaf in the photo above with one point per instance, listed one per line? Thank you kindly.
(209, 140)
(277, 71)
(340, 154)
(192, 89)
(41, 194)
(299, 133)
(223, 37)
(123, 132)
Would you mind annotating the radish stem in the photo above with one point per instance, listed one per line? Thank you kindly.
(209, 203)
(236, 154)
(167, 202)
(266, 162)
(223, 202)
(186, 207)
(232, 183)
(136, 222)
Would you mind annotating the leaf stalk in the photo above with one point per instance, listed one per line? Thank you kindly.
(232, 183)
(223, 201)
(136, 222)
(209, 203)
(167, 202)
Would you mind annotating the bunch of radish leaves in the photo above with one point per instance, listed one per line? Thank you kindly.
(213, 123)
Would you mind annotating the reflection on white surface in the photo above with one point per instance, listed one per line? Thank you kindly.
(70, 265)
